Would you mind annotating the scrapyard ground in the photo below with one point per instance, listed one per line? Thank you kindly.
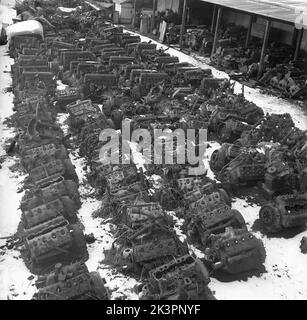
(285, 276)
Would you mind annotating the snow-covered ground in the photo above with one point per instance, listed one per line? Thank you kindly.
(14, 282)
(120, 286)
(6, 12)
(286, 275)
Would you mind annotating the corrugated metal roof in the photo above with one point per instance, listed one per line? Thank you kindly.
(122, 1)
(290, 11)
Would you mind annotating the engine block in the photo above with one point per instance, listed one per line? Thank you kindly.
(235, 251)
(183, 278)
(284, 212)
(71, 282)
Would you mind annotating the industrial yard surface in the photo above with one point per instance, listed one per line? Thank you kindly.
(285, 274)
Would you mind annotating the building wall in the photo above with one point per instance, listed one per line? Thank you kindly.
(125, 12)
(141, 4)
(235, 17)
(162, 5)
(286, 32)
(200, 13)
(281, 31)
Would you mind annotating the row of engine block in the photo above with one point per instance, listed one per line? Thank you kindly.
(54, 244)
(110, 75)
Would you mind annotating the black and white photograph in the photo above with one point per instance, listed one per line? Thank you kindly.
(153, 151)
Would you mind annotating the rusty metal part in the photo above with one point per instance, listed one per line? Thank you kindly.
(235, 251)
(71, 282)
(183, 278)
(286, 211)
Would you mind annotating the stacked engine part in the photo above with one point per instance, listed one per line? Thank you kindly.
(145, 237)
(235, 251)
(184, 278)
(231, 53)
(50, 230)
(281, 72)
(271, 148)
(288, 78)
(208, 215)
(286, 211)
(109, 76)
(272, 155)
(71, 282)
(196, 38)
(231, 115)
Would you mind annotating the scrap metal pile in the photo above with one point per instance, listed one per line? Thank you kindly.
(196, 38)
(110, 75)
(281, 73)
(273, 155)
